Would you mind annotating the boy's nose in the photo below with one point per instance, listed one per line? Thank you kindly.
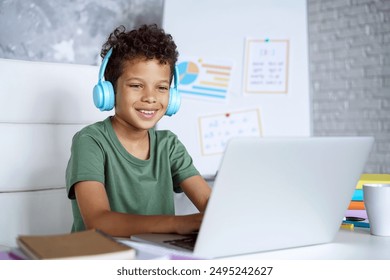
(149, 96)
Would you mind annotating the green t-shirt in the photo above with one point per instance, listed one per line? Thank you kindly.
(133, 186)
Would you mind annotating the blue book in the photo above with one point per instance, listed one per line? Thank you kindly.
(362, 224)
(357, 195)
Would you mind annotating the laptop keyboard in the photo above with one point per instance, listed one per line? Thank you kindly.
(185, 243)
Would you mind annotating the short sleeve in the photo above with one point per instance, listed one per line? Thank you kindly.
(86, 162)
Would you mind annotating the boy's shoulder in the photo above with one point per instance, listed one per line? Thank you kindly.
(96, 128)
(167, 138)
(164, 134)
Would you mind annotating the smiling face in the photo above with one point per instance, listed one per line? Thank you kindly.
(142, 93)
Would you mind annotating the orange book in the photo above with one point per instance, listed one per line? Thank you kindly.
(356, 205)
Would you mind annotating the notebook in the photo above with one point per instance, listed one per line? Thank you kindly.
(277, 193)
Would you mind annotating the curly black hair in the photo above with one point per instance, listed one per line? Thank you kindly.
(146, 42)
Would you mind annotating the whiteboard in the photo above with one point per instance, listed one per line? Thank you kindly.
(220, 31)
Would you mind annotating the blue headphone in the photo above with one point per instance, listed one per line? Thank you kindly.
(104, 97)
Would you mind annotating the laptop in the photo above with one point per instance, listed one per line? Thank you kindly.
(276, 193)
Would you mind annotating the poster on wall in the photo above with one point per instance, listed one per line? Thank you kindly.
(206, 79)
(216, 130)
(266, 66)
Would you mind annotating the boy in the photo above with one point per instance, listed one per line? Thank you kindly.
(122, 172)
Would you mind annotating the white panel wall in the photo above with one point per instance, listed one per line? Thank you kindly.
(40, 92)
(33, 212)
(34, 155)
(43, 105)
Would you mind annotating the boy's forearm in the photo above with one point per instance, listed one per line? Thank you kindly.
(124, 225)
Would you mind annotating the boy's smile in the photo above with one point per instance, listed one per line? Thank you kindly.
(142, 93)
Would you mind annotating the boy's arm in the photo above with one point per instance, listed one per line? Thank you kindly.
(197, 190)
(96, 213)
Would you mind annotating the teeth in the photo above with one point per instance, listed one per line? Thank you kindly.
(147, 112)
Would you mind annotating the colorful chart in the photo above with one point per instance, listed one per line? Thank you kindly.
(208, 79)
(189, 72)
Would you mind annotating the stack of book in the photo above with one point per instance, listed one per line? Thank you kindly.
(356, 213)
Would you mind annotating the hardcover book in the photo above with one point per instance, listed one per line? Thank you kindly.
(89, 244)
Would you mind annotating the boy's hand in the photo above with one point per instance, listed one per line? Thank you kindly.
(188, 223)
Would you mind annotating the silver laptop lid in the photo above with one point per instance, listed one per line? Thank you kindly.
(280, 193)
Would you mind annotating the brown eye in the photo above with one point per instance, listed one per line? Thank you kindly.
(163, 88)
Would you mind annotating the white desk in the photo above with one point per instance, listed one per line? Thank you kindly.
(348, 245)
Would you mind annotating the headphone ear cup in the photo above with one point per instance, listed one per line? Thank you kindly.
(174, 95)
(174, 102)
(103, 96)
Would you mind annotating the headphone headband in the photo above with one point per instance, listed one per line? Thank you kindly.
(104, 64)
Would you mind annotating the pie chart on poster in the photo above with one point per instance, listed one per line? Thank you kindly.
(188, 72)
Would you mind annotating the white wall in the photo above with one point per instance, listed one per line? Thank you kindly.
(217, 30)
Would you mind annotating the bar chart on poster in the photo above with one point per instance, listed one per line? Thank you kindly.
(243, 72)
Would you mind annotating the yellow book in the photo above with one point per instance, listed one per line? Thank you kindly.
(347, 226)
(373, 179)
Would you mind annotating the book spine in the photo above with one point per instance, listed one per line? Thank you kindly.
(356, 205)
(357, 195)
(373, 179)
(356, 213)
(358, 224)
